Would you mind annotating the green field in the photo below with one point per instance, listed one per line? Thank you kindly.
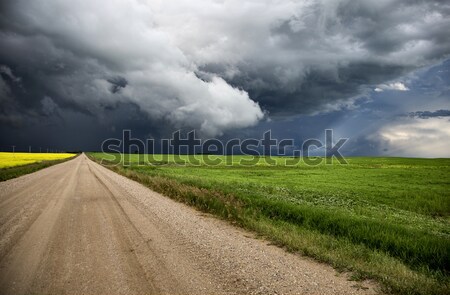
(382, 218)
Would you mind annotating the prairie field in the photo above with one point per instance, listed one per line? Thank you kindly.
(387, 219)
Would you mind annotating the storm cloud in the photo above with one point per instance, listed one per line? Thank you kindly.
(428, 114)
(216, 66)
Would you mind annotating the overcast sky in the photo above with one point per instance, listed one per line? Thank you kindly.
(74, 73)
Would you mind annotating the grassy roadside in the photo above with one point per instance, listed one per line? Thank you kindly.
(407, 251)
(16, 171)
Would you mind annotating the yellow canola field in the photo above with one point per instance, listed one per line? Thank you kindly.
(18, 159)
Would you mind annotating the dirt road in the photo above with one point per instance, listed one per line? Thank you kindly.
(78, 228)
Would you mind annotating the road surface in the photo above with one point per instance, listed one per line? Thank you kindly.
(79, 228)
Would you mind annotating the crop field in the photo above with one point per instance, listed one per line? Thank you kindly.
(17, 164)
(382, 218)
(8, 160)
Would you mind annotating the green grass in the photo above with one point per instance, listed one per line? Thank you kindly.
(381, 218)
(16, 171)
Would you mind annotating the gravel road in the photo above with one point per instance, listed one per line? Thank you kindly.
(79, 228)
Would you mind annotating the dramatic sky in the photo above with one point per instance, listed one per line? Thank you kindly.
(74, 73)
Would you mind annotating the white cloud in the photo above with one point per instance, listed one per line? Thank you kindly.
(396, 86)
(211, 106)
(415, 137)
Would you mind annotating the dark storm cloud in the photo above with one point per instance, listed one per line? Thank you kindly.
(318, 90)
(117, 83)
(428, 114)
(326, 53)
(409, 119)
(209, 65)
